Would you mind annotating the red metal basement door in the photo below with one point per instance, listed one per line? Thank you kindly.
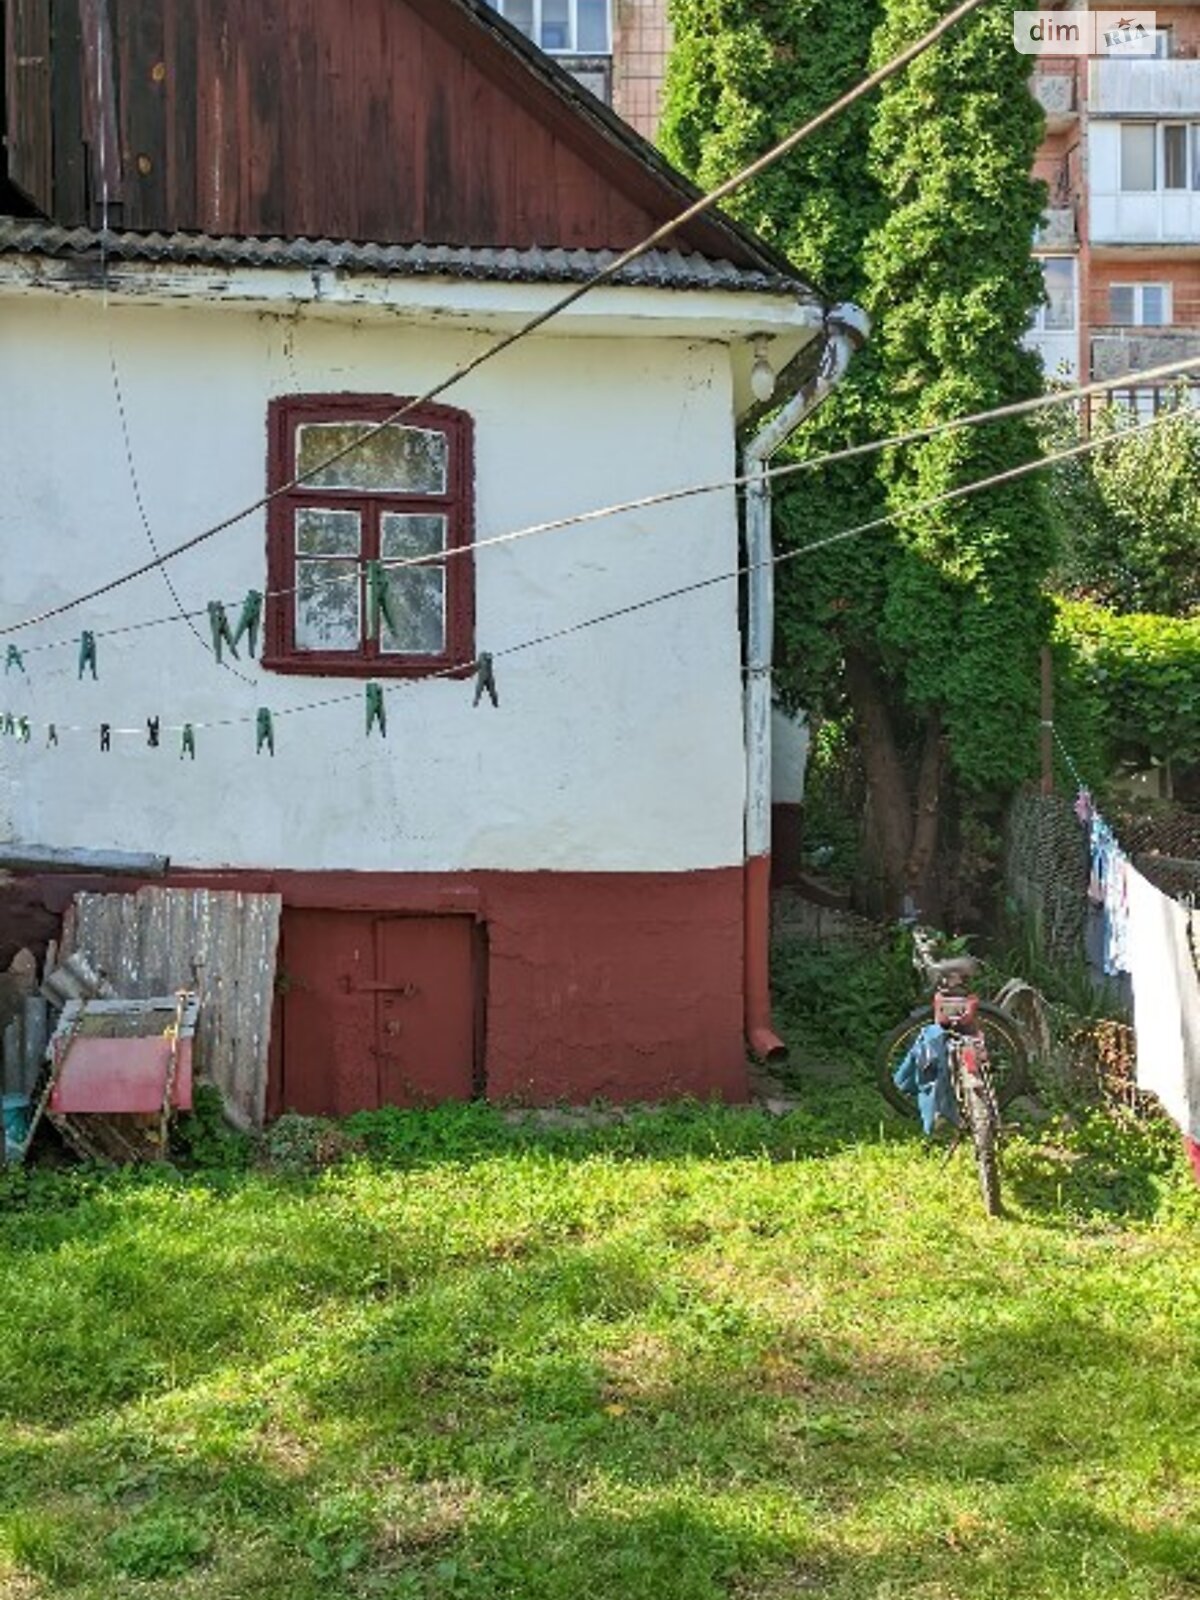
(377, 1011)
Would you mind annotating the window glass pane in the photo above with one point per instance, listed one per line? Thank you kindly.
(1195, 132)
(401, 536)
(593, 26)
(1138, 169)
(520, 14)
(1175, 156)
(394, 459)
(327, 605)
(327, 533)
(556, 25)
(1162, 43)
(1154, 305)
(418, 596)
(1120, 303)
(1058, 274)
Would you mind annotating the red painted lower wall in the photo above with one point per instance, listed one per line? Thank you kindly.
(625, 986)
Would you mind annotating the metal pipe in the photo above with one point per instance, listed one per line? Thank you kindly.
(847, 329)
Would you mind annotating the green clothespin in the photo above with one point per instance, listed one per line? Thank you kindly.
(248, 623)
(485, 679)
(51, 736)
(379, 600)
(376, 709)
(87, 652)
(264, 732)
(9, 726)
(24, 731)
(218, 624)
(14, 658)
(188, 744)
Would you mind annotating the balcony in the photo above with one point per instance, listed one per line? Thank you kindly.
(1116, 351)
(1057, 230)
(1133, 88)
(1168, 219)
(593, 72)
(1055, 93)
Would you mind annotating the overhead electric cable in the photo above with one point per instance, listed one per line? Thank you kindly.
(704, 203)
(457, 669)
(739, 482)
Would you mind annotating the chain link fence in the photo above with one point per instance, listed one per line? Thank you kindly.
(1046, 873)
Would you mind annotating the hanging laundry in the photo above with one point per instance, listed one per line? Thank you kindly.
(1166, 1002)
(1108, 889)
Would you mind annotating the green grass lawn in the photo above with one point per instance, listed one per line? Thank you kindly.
(697, 1354)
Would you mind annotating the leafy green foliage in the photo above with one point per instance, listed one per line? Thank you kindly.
(1100, 1164)
(746, 72)
(743, 74)
(951, 284)
(1142, 674)
(204, 1139)
(157, 1546)
(840, 998)
(919, 205)
(1131, 512)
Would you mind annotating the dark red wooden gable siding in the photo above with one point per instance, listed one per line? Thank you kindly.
(390, 120)
(25, 27)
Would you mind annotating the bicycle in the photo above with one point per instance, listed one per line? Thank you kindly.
(958, 1045)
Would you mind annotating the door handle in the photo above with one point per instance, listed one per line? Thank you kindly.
(405, 991)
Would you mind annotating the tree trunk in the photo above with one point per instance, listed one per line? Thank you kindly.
(923, 850)
(889, 804)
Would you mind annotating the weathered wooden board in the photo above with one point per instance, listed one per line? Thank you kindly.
(389, 120)
(222, 944)
(27, 85)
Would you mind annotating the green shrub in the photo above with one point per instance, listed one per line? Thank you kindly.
(1141, 674)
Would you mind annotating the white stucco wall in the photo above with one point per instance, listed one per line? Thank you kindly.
(616, 749)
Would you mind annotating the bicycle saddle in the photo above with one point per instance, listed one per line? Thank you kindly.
(954, 969)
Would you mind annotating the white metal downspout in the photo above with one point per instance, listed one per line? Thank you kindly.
(847, 328)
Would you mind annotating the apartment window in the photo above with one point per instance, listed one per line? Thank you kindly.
(1160, 156)
(1146, 403)
(1164, 43)
(567, 27)
(1057, 315)
(1140, 305)
(1175, 155)
(1139, 156)
(401, 491)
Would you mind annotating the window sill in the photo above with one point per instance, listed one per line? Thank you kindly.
(332, 667)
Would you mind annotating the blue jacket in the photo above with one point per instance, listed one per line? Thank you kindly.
(925, 1075)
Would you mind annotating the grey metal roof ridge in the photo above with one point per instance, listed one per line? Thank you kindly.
(667, 268)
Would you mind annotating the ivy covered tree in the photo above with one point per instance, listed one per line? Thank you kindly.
(925, 214)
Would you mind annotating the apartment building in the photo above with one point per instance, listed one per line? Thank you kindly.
(617, 48)
(1120, 243)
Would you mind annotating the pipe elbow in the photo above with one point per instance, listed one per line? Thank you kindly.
(766, 1046)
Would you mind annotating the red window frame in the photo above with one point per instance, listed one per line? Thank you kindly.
(284, 417)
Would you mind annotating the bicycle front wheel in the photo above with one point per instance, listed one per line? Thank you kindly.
(985, 1134)
(1008, 1059)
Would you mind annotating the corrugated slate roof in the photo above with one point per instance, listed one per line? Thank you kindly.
(659, 269)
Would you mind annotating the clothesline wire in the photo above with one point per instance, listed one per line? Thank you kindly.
(703, 203)
(459, 668)
(738, 484)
